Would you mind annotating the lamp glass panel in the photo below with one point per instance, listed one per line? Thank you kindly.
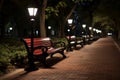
(32, 11)
(70, 21)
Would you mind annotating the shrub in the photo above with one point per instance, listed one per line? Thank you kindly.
(60, 39)
(12, 52)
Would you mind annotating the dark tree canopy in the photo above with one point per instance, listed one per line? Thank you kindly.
(58, 11)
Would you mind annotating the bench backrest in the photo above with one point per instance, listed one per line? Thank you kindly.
(39, 42)
(71, 38)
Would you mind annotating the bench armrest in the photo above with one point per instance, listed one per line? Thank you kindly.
(44, 49)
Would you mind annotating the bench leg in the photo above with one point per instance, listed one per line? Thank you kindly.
(62, 52)
(30, 67)
(81, 44)
(44, 62)
(69, 48)
(75, 46)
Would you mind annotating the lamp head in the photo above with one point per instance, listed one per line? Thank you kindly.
(32, 11)
(70, 21)
(84, 25)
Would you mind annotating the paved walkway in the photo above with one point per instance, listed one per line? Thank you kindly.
(97, 61)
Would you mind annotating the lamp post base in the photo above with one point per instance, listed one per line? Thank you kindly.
(30, 68)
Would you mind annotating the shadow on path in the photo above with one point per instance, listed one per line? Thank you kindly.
(21, 73)
(50, 62)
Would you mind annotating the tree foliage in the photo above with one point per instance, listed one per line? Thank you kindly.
(57, 11)
(109, 9)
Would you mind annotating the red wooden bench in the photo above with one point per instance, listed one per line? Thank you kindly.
(42, 47)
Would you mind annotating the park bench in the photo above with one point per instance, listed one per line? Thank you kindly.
(73, 41)
(86, 39)
(42, 47)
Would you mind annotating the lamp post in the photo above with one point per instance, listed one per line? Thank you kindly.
(84, 28)
(10, 28)
(94, 31)
(49, 32)
(49, 27)
(10, 31)
(70, 21)
(90, 29)
(31, 66)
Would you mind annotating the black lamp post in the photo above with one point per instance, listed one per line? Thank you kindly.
(49, 32)
(84, 35)
(70, 21)
(84, 27)
(31, 66)
(90, 31)
(94, 32)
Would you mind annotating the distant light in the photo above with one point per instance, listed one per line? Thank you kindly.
(53, 32)
(10, 28)
(49, 27)
(82, 32)
(70, 21)
(68, 30)
(94, 29)
(37, 32)
(84, 25)
(90, 28)
(32, 19)
(97, 31)
(109, 34)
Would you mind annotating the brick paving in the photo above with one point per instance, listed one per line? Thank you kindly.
(99, 60)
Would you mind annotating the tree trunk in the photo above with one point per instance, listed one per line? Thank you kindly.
(61, 29)
(118, 29)
(42, 19)
(1, 4)
(70, 13)
(1, 26)
(63, 22)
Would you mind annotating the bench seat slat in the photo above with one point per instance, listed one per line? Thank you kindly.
(49, 51)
